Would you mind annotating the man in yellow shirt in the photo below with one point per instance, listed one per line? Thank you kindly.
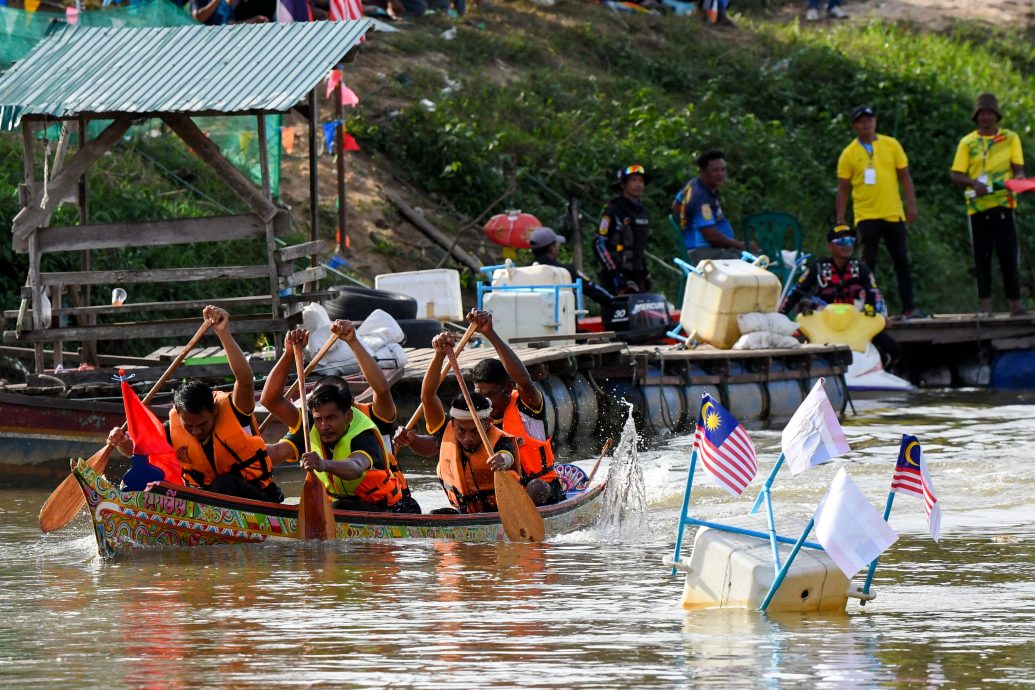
(985, 159)
(871, 169)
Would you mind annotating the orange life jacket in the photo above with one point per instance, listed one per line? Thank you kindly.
(234, 451)
(536, 455)
(469, 482)
(377, 485)
(393, 464)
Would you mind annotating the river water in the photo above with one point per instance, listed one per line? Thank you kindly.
(591, 609)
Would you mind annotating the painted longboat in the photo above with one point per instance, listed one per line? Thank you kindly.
(167, 515)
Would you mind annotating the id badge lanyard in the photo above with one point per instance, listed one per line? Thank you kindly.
(870, 173)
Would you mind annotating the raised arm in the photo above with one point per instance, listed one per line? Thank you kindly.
(273, 397)
(527, 390)
(244, 379)
(434, 412)
(384, 405)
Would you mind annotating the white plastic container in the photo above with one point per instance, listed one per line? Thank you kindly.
(436, 290)
(536, 274)
(531, 312)
(720, 292)
(728, 570)
(522, 313)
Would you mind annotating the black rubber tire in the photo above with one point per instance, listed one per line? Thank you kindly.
(419, 332)
(356, 303)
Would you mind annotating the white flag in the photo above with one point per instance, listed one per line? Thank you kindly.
(813, 436)
(849, 527)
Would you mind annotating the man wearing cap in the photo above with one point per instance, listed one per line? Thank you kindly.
(546, 248)
(985, 159)
(871, 169)
(621, 242)
(841, 279)
(707, 234)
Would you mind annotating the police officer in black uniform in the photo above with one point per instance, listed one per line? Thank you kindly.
(842, 279)
(621, 241)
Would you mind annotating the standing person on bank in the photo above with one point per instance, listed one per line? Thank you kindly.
(621, 241)
(707, 233)
(871, 169)
(985, 159)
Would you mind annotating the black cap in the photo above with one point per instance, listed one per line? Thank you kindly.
(839, 231)
(861, 111)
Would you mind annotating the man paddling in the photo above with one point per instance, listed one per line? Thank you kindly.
(381, 412)
(214, 433)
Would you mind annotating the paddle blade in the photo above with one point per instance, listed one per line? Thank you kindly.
(521, 520)
(315, 519)
(67, 500)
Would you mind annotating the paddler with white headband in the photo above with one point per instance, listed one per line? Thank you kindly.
(464, 466)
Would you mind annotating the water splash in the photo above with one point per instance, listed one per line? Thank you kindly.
(625, 501)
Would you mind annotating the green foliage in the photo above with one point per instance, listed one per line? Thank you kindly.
(604, 91)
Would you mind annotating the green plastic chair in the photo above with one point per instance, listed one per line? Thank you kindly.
(774, 231)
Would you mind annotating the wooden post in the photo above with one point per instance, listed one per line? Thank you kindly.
(89, 346)
(575, 219)
(29, 164)
(340, 110)
(37, 299)
(314, 189)
(271, 242)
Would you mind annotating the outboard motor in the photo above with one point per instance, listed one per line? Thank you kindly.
(639, 318)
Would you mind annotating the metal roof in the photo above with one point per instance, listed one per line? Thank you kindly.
(228, 69)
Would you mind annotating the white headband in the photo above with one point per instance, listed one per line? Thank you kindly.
(460, 413)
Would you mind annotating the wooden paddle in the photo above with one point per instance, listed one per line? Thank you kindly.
(67, 499)
(308, 370)
(315, 517)
(468, 334)
(521, 520)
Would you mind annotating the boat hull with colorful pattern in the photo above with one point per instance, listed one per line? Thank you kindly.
(178, 516)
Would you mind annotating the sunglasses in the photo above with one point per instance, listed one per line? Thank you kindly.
(633, 170)
(843, 241)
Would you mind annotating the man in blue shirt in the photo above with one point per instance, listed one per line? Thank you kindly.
(707, 234)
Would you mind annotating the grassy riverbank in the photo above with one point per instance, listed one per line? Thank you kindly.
(532, 99)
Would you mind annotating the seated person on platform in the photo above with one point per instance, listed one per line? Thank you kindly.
(707, 234)
(381, 412)
(214, 433)
(546, 247)
(842, 279)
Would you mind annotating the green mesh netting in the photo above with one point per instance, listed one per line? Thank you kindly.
(235, 136)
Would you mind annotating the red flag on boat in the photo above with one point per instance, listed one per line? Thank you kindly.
(148, 435)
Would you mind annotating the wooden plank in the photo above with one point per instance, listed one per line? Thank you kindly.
(150, 234)
(34, 215)
(228, 303)
(159, 275)
(144, 329)
(519, 340)
(446, 242)
(298, 251)
(209, 153)
(309, 275)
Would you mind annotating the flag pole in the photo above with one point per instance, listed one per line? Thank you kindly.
(686, 505)
(772, 529)
(768, 484)
(787, 566)
(873, 564)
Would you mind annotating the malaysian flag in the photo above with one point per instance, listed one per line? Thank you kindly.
(343, 10)
(911, 477)
(724, 447)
